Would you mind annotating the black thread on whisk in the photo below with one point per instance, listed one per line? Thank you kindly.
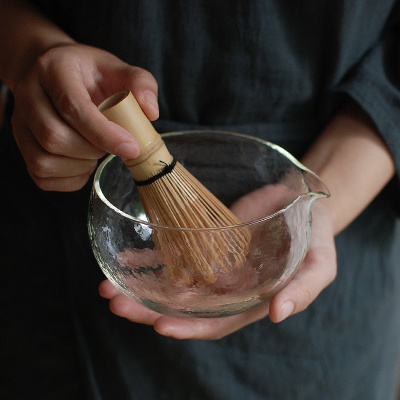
(166, 170)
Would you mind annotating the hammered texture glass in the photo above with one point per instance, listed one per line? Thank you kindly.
(231, 166)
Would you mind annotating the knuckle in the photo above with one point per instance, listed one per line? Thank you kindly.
(306, 297)
(45, 61)
(39, 167)
(41, 63)
(50, 138)
(68, 108)
(142, 75)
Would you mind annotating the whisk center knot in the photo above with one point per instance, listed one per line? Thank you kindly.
(166, 170)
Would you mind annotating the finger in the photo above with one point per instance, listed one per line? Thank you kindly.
(82, 115)
(316, 273)
(43, 164)
(140, 82)
(263, 201)
(179, 328)
(108, 290)
(49, 171)
(144, 87)
(54, 135)
(210, 328)
(123, 306)
(112, 75)
(73, 102)
(69, 184)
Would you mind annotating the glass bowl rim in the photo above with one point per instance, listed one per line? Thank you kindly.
(109, 158)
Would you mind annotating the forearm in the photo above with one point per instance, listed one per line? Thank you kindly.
(353, 161)
(24, 35)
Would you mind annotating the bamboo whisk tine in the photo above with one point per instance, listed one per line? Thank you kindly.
(172, 196)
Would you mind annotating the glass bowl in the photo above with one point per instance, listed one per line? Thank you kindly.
(273, 192)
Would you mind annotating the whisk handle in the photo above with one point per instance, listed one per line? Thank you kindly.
(123, 109)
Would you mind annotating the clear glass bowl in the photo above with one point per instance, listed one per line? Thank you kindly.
(231, 166)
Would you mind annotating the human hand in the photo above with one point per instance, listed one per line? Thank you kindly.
(56, 124)
(316, 272)
(319, 267)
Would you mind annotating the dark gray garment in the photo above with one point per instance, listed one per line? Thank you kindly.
(275, 69)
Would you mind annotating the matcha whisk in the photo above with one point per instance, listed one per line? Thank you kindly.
(172, 196)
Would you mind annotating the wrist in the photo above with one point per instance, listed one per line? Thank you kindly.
(353, 161)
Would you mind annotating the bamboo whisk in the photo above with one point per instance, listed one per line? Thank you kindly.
(172, 196)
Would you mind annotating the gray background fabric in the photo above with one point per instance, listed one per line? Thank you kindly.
(275, 69)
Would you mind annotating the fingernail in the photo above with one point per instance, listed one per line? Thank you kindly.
(127, 150)
(286, 310)
(151, 99)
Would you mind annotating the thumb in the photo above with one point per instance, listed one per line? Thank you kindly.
(83, 115)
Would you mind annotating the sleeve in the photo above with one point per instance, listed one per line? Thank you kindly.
(375, 85)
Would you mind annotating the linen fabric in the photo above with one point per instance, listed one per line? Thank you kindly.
(275, 69)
